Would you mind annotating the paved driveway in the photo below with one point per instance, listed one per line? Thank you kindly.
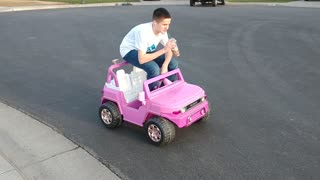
(258, 65)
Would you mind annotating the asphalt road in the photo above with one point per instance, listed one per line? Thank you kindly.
(259, 66)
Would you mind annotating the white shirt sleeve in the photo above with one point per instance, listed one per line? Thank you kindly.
(141, 41)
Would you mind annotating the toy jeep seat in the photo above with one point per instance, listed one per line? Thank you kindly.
(131, 84)
(124, 81)
(138, 76)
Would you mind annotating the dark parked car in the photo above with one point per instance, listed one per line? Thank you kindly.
(203, 2)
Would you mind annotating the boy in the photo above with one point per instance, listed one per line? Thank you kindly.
(138, 47)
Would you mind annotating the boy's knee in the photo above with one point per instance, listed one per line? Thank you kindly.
(153, 72)
(173, 64)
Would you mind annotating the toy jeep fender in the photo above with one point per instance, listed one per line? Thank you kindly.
(127, 97)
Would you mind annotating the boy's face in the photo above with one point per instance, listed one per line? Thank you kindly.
(162, 25)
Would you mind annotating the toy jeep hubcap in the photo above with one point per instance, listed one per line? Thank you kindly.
(154, 133)
(106, 116)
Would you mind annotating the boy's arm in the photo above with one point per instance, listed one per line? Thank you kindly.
(147, 57)
(166, 62)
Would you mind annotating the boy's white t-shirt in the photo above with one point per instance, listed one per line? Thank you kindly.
(142, 38)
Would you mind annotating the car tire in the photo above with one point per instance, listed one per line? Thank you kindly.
(214, 2)
(160, 131)
(223, 2)
(110, 115)
(203, 2)
(192, 2)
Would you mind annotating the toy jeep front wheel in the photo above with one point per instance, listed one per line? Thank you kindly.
(110, 115)
(160, 131)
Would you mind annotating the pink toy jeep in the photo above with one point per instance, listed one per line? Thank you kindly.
(128, 97)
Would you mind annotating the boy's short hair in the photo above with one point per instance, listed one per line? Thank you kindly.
(160, 13)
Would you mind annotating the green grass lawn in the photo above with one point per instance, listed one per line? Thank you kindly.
(106, 1)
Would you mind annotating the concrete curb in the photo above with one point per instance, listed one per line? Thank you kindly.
(43, 7)
(299, 4)
(32, 150)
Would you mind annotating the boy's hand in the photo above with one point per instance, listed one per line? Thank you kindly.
(171, 44)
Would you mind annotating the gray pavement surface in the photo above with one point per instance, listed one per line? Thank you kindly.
(31, 150)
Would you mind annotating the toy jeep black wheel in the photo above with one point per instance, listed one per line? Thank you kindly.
(110, 115)
(223, 2)
(192, 2)
(160, 131)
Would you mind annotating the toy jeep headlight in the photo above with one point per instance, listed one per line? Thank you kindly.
(193, 104)
(183, 110)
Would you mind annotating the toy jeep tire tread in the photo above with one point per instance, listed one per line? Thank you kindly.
(160, 131)
(109, 115)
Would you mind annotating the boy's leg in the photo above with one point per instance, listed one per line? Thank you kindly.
(172, 65)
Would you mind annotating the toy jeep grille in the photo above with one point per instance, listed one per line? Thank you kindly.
(195, 103)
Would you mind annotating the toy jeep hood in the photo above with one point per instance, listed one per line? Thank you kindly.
(180, 95)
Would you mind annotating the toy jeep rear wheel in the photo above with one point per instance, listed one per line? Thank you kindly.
(160, 131)
(110, 115)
